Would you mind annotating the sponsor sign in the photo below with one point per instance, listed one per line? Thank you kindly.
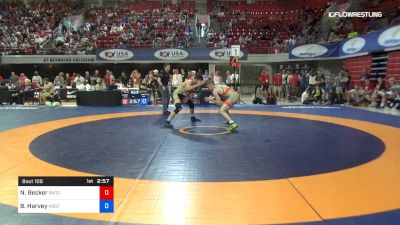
(223, 54)
(379, 41)
(310, 50)
(116, 54)
(171, 54)
(168, 54)
(390, 37)
(353, 45)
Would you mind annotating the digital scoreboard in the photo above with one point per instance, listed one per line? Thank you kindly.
(65, 194)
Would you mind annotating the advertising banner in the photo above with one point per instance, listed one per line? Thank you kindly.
(387, 39)
(167, 54)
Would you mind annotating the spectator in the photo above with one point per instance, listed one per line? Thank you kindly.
(100, 85)
(109, 79)
(284, 87)
(378, 94)
(95, 77)
(258, 98)
(317, 94)
(264, 79)
(355, 97)
(59, 80)
(123, 79)
(72, 80)
(37, 79)
(48, 91)
(21, 79)
(177, 79)
(294, 86)
(217, 78)
(136, 77)
(306, 99)
(312, 81)
(277, 82)
(235, 81)
(14, 80)
(228, 78)
(87, 77)
(270, 98)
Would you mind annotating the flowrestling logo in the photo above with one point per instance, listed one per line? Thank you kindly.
(309, 51)
(355, 14)
(390, 37)
(223, 54)
(171, 54)
(353, 45)
(116, 54)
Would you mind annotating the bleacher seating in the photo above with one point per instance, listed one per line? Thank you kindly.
(393, 67)
(24, 27)
(145, 21)
(270, 23)
(356, 65)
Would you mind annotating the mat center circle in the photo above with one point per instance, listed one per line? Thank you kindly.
(263, 148)
(204, 130)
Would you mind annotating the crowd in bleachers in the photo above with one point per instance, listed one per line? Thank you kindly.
(143, 24)
(266, 27)
(24, 27)
(351, 27)
(261, 27)
(311, 86)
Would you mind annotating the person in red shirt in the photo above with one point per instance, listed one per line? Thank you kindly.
(109, 78)
(22, 79)
(277, 82)
(72, 80)
(294, 84)
(136, 78)
(264, 79)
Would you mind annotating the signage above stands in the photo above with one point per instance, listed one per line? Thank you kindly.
(225, 54)
(311, 50)
(390, 37)
(353, 45)
(116, 54)
(171, 54)
(387, 39)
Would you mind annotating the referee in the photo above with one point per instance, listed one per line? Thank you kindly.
(163, 81)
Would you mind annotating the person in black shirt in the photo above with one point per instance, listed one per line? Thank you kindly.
(163, 81)
(123, 79)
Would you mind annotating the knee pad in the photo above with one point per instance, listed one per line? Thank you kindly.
(190, 104)
(178, 107)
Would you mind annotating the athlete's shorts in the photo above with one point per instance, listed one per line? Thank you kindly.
(233, 97)
(177, 94)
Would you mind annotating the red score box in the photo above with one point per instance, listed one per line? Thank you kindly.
(106, 193)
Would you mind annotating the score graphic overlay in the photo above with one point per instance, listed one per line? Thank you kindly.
(65, 194)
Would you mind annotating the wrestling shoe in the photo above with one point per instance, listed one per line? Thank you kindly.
(194, 119)
(233, 126)
(168, 124)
